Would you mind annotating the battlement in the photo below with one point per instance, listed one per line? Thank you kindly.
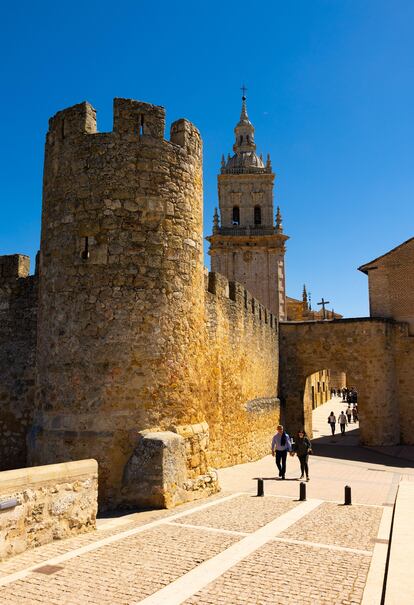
(220, 286)
(131, 120)
(73, 121)
(138, 118)
(13, 266)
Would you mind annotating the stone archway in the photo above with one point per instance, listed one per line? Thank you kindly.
(364, 348)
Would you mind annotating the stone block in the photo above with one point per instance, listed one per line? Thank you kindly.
(156, 474)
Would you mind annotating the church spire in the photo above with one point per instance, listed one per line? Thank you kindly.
(244, 131)
(245, 159)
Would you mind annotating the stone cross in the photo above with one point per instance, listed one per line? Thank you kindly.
(323, 303)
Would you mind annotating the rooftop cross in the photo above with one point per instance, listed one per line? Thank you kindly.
(323, 303)
(243, 89)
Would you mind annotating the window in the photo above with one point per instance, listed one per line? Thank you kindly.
(236, 215)
(85, 251)
(257, 215)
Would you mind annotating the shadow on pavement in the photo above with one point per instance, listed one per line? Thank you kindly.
(325, 447)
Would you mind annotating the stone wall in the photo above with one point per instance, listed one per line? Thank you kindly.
(241, 373)
(317, 389)
(391, 284)
(365, 350)
(18, 320)
(51, 502)
(121, 306)
(404, 356)
(130, 341)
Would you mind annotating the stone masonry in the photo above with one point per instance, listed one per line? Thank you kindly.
(376, 355)
(247, 246)
(137, 345)
(125, 349)
(52, 502)
(18, 318)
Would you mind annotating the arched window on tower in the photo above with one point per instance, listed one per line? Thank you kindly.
(236, 215)
(257, 215)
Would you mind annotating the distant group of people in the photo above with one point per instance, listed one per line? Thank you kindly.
(349, 395)
(344, 418)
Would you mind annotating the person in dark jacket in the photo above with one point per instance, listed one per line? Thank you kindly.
(302, 447)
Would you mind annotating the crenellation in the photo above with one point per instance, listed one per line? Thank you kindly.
(13, 266)
(72, 122)
(138, 119)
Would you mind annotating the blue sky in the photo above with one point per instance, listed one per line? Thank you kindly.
(330, 92)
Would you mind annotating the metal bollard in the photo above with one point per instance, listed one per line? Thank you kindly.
(302, 491)
(348, 498)
(260, 487)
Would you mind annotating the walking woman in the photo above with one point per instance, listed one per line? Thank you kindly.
(332, 422)
(302, 448)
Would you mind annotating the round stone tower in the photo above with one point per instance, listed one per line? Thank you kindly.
(121, 286)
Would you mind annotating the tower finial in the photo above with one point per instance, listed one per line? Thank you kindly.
(279, 228)
(243, 115)
(216, 225)
(305, 298)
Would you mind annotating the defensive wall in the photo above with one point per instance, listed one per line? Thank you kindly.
(241, 373)
(18, 319)
(141, 358)
(377, 356)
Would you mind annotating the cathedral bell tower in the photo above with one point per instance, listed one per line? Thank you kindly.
(246, 245)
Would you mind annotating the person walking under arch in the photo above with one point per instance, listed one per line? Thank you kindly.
(355, 413)
(302, 447)
(342, 421)
(332, 422)
(281, 445)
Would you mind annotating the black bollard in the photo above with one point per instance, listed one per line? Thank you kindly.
(348, 498)
(260, 487)
(302, 491)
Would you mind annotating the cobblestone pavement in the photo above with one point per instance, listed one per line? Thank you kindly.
(233, 548)
(348, 526)
(243, 514)
(277, 574)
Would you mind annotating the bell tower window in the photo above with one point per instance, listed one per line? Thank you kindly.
(236, 215)
(257, 215)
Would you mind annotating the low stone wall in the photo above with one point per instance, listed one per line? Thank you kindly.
(51, 502)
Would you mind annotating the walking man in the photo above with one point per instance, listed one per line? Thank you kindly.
(348, 413)
(342, 422)
(281, 445)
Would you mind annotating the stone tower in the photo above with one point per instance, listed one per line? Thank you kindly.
(121, 305)
(247, 246)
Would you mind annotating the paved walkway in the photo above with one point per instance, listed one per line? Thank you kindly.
(234, 548)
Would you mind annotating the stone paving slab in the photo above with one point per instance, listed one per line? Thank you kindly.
(123, 572)
(246, 513)
(348, 526)
(281, 574)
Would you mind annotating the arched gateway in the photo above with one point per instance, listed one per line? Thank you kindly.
(374, 353)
